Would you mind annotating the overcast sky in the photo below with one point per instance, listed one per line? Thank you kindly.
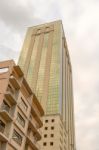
(81, 24)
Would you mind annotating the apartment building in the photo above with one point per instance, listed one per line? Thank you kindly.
(20, 111)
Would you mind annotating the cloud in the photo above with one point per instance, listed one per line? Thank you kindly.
(18, 14)
(7, 53)
(81, 25)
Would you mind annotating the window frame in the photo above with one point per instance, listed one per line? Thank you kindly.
(20, 119)
(16, 136)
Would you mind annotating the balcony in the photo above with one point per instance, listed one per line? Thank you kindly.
(35, 130)
(38, 105)
(4, 112)
(36, 116)
(3, 138)
(33, 143)
(5, 108)
(2, 128)
(32, 125)
(18, 70)
(14, 82)
(38, 135)
(10, 98)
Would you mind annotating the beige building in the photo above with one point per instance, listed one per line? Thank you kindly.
(46, 64)
(20, 111)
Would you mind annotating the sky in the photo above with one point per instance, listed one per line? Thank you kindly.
(81, 25)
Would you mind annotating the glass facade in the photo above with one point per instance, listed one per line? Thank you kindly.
(30, 71)
(47, 38)
(53, 92)
(52, 102)
(24, 51)
(40, 80)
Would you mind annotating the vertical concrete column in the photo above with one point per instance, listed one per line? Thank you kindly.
(64, 86)
(38, 58)
(70, 112)
(68, 101)
(62, 98)
(73, 125)
(29, 54)
(47, 70)
(66, 82)
(69, 105)
(65, 89)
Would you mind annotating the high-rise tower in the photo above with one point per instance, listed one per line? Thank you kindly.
(46, 64)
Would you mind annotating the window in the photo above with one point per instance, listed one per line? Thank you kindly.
(17, 137)
(46, 121)
(20, 120)
(44, 143)
(45, 135)
(51, 143)
(52, 135)
(52, 128)
(53, 120)
(46, 128)
(2, 126)
(24, 104)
